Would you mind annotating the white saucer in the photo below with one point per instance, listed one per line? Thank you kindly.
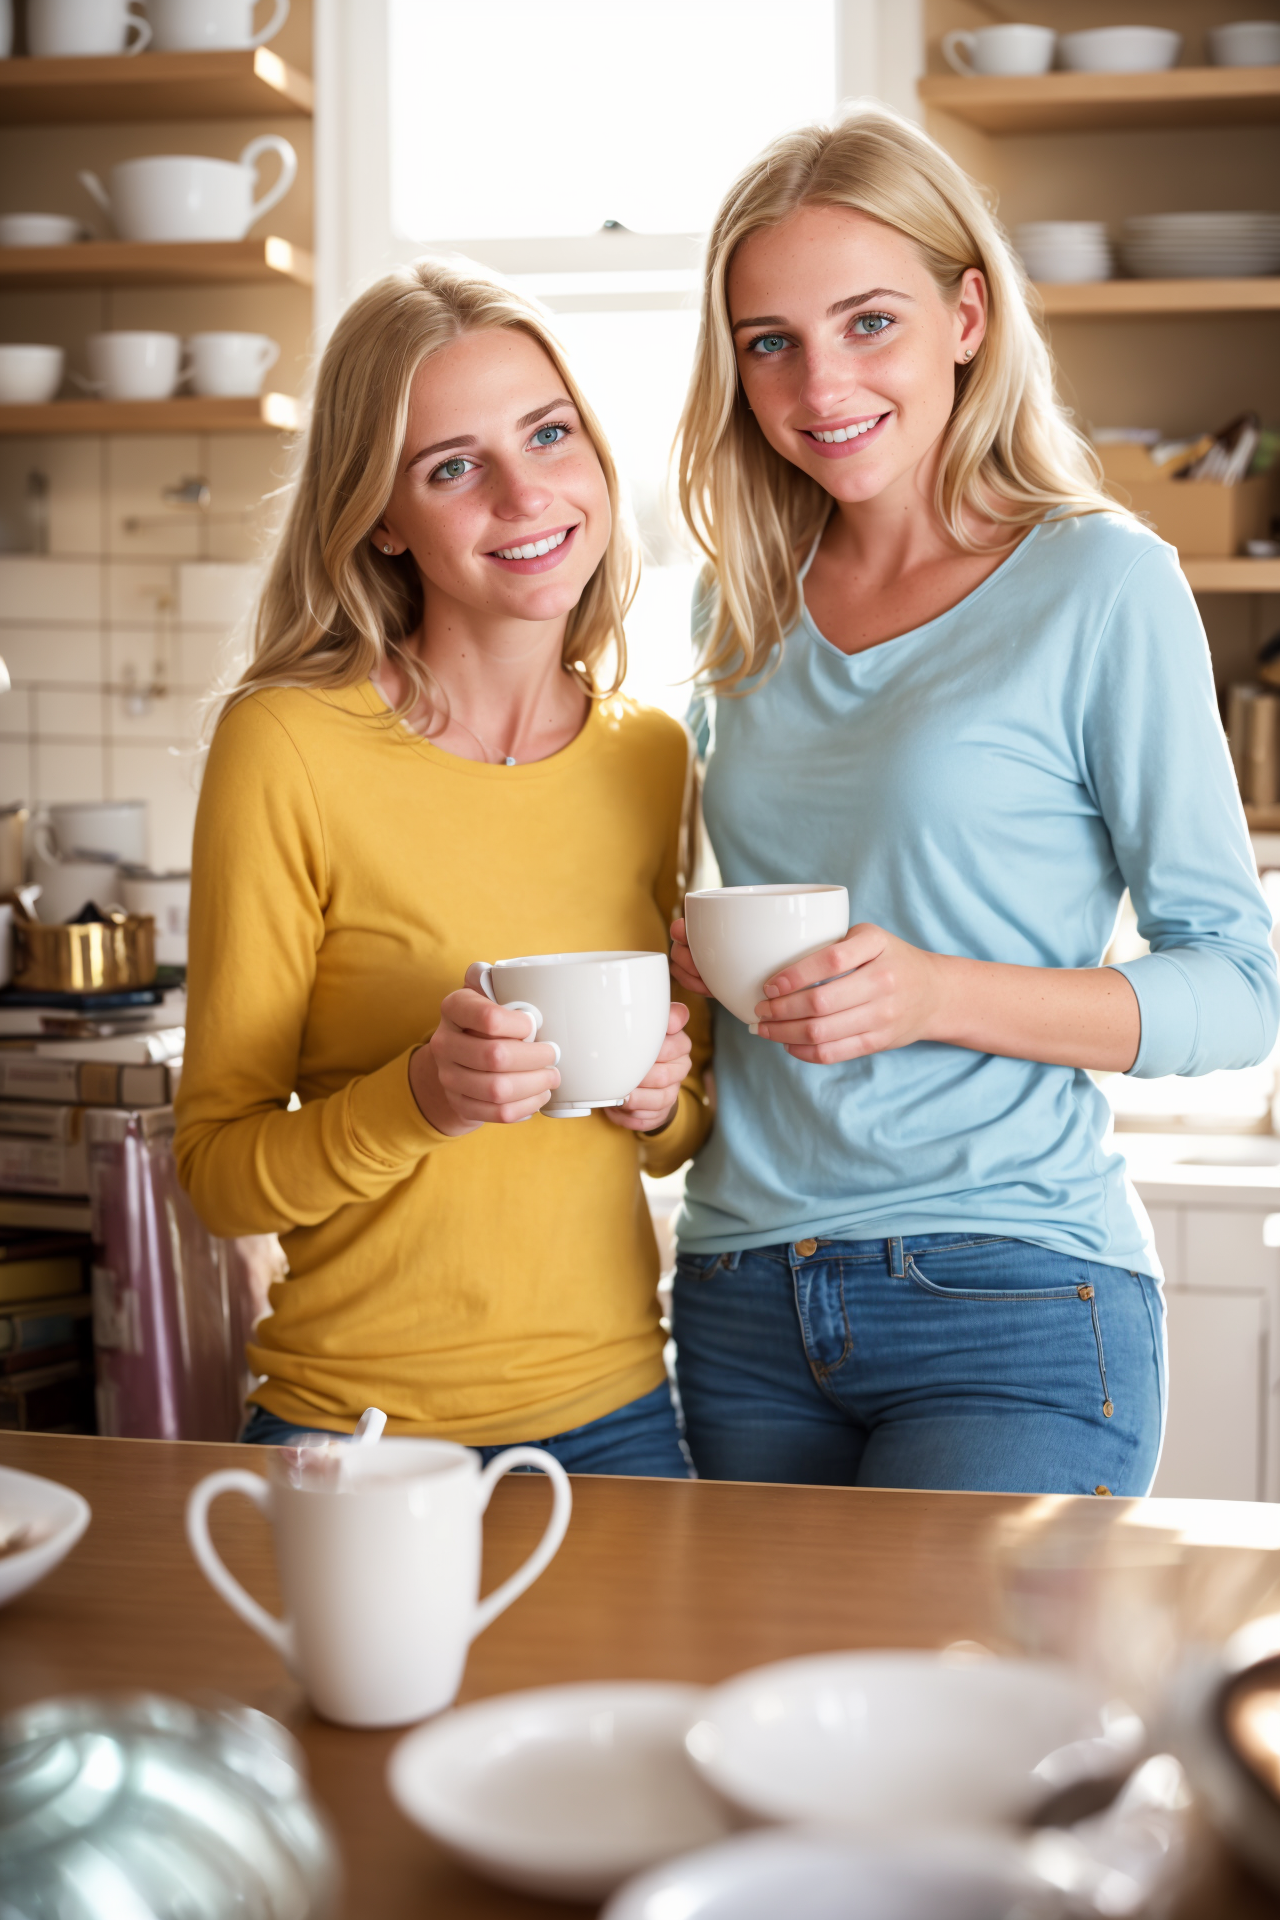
(877, 1740)
(560, 1791)
(816, 1876)
(57, 1517)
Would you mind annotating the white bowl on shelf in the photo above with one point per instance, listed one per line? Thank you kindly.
(1245, 43)
(39, 230)
(1120, 50)
(29, 375)
(1071, 250)
(1201, 245)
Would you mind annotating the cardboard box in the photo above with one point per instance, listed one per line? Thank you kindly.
(1198, 517)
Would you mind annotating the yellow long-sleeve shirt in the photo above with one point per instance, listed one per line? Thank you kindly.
(493, 1287)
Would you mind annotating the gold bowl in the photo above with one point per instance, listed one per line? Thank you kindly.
(103, 956)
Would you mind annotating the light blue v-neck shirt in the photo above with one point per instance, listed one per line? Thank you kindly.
(987, 785)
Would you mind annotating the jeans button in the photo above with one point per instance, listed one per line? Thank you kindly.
(806, 1247)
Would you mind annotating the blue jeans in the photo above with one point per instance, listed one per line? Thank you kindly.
(641, 1439)
(940, 1360)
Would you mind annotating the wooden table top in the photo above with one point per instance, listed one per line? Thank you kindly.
(657, 1579)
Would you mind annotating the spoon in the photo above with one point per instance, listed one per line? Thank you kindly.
(369, 1428)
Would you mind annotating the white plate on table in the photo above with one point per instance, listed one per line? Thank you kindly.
(560, 1791)
(817, 1876)
(874, 1741)
(56, 1518)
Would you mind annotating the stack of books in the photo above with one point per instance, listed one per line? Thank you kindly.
(53, 1069)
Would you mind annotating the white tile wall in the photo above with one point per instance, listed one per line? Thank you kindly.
(115, 635)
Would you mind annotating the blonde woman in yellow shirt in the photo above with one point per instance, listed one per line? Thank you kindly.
(424, 765)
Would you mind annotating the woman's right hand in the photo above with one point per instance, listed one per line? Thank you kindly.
(480, 1065)
(682, 967)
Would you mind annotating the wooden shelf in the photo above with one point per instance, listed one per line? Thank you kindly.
(238, 85)
(1084, 102)
(1237, 575)
(270, 413)
(136, 263)
(1147, 299)
(1262, 819)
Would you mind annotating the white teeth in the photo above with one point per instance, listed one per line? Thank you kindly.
(534, 549)
(840, 434)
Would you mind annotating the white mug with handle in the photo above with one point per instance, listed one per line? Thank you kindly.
(1011, 47)
(378, 1552)
(182, 26)
(605, 1014)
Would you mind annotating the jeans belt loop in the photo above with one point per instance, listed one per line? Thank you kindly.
(897, 1265)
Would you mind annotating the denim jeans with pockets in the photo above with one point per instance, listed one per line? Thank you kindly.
(961, 1360)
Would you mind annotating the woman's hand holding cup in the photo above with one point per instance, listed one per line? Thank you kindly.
(650, 1105)
(480, 1065)
(865, 994)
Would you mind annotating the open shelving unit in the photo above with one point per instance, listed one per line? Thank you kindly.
(187, 413)
(236, 85)
(135, 263)
(1157, 299)
(1091, 102)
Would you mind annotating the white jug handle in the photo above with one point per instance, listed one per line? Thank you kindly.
(561, 1507)
(479, 977)
(951, 45)
(136, 24)
(97, 191)
(272, 27)
(276, 1633)
(277, 144)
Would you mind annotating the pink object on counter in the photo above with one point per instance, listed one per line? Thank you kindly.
(172, 1303)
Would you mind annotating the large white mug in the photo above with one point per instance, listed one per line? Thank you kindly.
(108, 829)
(605, 1013)
(133, 366)
(378, 1552)
(181, 26)
(741, 936)
(1008, 48)
(185, 196)
(29, 375)
(230, 365)
(62, 29)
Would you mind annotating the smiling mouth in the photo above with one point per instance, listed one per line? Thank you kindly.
(851, 430)
(534, 549)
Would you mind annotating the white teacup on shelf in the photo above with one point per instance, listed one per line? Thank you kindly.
(186, 196)
(1245, 43)
(67, 29)
(741, 936)
(29, 375)
(605, 1013)
(1010, 48)
(39, 230)
(182, 26)
(133, 366)
(378, 1552)
(232, 366)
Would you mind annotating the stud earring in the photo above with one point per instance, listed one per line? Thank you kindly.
(968, 354)
(386, 549)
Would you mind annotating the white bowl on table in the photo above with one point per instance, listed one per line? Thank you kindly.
(1120, 50)
(53, 1516)
(560, 1791)
(874, 1741)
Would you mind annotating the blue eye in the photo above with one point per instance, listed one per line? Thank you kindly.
(453, 469)
(871, 324)
(548, 436)
(767, 343)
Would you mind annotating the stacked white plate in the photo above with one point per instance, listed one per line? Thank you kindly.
(1065, 250)
(1211, 246)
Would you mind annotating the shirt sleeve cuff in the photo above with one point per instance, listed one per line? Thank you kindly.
(662, 1152)
(1170, 1013)
(385, 1124)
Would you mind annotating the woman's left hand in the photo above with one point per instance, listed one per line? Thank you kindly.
(649, 1106)
(887, 994)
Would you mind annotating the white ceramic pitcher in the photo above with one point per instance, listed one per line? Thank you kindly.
(170, 196)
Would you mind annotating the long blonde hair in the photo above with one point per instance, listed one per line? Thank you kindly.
(332, 610)
(1008, 452)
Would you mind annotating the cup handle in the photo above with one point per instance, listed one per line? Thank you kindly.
(273, 25)
(270, 354)
(479, 977)
(951, 44)
(270, 143)
(96, 191)
(561, 1507)
(134, 23)
(276, 1633)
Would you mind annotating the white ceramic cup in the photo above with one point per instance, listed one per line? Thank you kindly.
(741, 936)
(111, 829)
(1120, 50)
(183, 196)
(378, 1552)
(181, 26)
(133, 366)
(62, 29)
(605, 1014)
(231, 365)
(1245, 43)
(29, 375)
(167, 898)
(38, 230)
(1008, 48)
